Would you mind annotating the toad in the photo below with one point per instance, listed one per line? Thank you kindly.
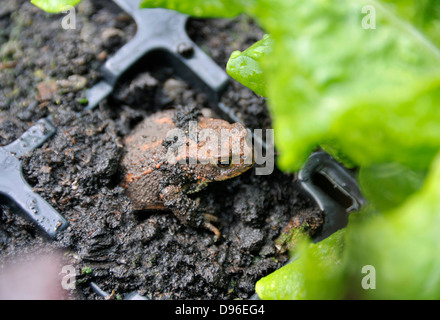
(164, 163)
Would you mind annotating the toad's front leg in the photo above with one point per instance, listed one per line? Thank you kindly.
(187, 210)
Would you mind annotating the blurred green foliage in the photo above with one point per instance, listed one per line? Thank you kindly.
(55, 6)
(199, 8)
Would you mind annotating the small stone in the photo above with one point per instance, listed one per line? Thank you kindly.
(74, 82)
(185, 49)
(102, 55)
(174, 88)
(46, 169)
(112, 37)
(46, 91)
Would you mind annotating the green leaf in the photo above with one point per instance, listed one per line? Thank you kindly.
(316, 274)
(423, 14)
(199, 8)
(402, 246)
(55, 6)
(388, 185)
(245, 67)
(366, 92)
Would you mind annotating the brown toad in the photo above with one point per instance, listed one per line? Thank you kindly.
(164, 163)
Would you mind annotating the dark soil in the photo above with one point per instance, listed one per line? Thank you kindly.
(44, 70)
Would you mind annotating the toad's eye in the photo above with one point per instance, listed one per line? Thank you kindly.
(224, 163)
